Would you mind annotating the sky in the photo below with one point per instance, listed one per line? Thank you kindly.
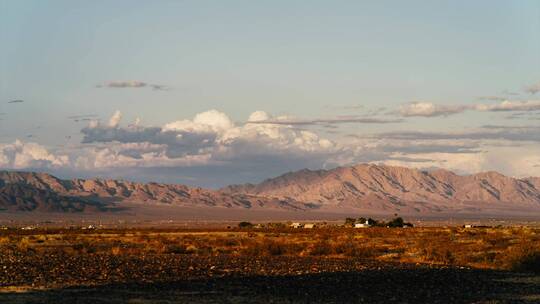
(211, 93)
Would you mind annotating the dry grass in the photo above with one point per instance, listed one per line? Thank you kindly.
(494, 248)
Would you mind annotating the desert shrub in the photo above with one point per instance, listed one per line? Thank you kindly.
(483, 257)
(523, 258)
(277, 225)
(365, 252)
(226, 241)
(495, 240)
(439, 256)
(84, 247)
(116, 250)
(350, 249)
(23, 245)
(275, 248)
(5, 240)
(272, 247)
(322, 247)
(375, 232)
(178, 249)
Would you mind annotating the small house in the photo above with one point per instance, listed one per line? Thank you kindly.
(309, 226)
(362, 225)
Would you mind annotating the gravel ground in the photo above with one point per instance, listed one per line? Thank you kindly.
(99, 278)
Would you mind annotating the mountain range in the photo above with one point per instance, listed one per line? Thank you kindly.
(376, 188)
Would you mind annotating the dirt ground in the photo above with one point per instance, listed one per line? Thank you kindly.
(270, 266)
(305, 281)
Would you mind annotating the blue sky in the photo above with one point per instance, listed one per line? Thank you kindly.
(298, 61)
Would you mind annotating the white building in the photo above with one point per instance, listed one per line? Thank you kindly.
(362, 225)
(296, 225)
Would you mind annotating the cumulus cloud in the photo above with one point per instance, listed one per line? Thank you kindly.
(209, 121)
(428, 109)
(211, 146)
(214, 134)
(131, 84)
(19, 155)
(115, 119)
(131, 155)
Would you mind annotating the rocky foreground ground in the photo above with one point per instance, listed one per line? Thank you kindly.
(178, 278)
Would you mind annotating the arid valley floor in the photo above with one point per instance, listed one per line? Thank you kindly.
(271, 265)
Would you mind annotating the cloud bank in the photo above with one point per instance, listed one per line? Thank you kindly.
(210, 149)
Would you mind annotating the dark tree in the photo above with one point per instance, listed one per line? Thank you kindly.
(397, 222)
(350, 221)
(245, 225)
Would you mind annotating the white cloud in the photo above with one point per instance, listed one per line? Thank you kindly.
(20, 155)
(258, 116)
(214, 135)
(209, 121)
(255, 150)
(507, 105)
(428, 109)
(460, 163)
(115, 119)
(132, 155)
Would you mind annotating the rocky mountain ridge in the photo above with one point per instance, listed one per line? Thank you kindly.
(363, 186)
(387, 187)
(37, 190)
